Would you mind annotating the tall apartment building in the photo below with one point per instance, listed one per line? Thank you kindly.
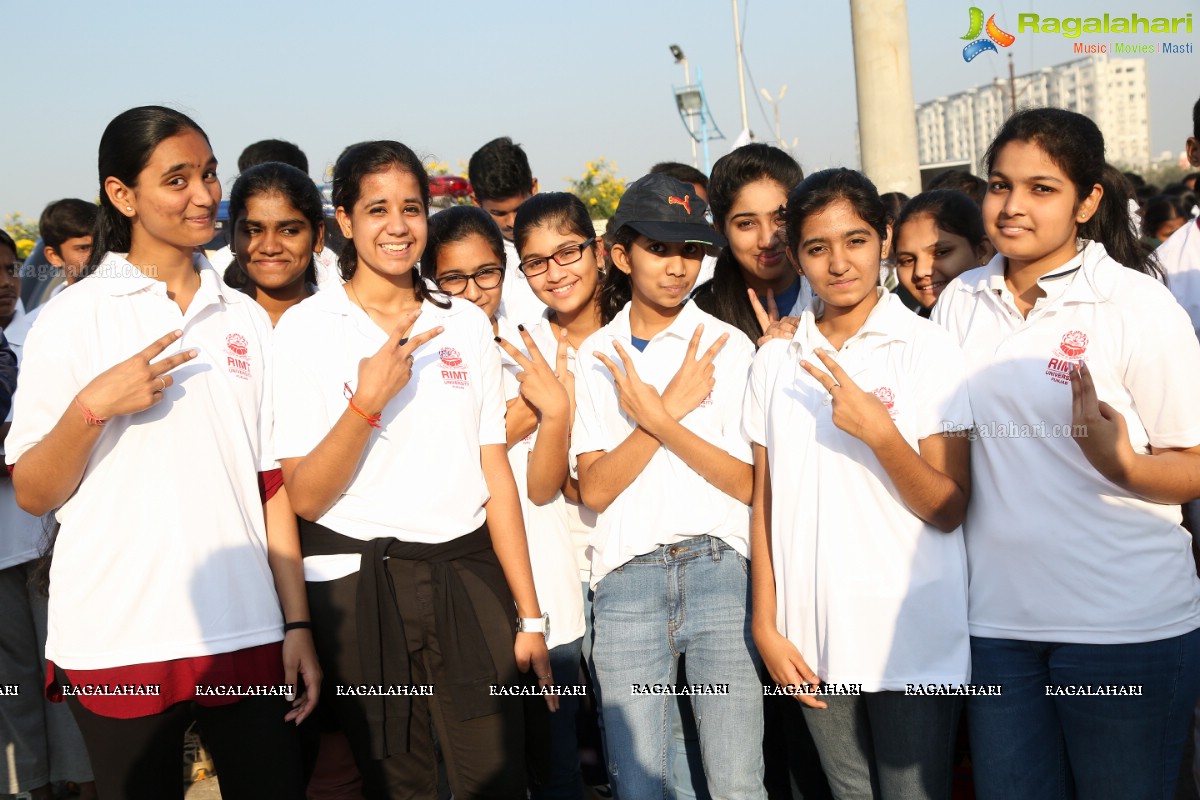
(957, 129)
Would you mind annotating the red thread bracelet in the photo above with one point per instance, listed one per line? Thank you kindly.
(371, 419)
(88, 416)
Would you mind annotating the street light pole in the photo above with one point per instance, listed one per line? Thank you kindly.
(737, 42)
(680, 58)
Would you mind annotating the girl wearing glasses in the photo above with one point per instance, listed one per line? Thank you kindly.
(465, 258)
(390, 433)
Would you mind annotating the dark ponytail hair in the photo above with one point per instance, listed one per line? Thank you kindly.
(455, 224)
(296, 187)
(952, 211)
(125, 148)
(561, 211)
(1076, 145)
(370, 158)
(725, 295)
(818, 190)
(616, 290)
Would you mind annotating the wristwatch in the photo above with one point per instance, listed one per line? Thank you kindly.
(534, 625)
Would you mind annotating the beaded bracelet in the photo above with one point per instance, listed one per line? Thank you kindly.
(371, 419)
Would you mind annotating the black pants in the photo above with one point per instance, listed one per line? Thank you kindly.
(484, 756)
(256, 753)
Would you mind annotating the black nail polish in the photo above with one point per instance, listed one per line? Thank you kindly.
(403, 342)
(497, 340)
(520, 327)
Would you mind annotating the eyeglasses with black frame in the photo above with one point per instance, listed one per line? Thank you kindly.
(532, 267)
(455, 283)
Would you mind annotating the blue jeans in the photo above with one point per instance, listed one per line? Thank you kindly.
(561, 779)
(886, 745)
(1034, 742)
(691, 597)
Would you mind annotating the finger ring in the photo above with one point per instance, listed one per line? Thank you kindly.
(410, 359)
(544, 677)
(163, 382)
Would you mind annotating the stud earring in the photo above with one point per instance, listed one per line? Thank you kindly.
(129, 208)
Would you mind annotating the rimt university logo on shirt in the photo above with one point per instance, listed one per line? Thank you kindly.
(1070, 350)
(995, 36)
(888, 398)
(237, 355)
(454, 373)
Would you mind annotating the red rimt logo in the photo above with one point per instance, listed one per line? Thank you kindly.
(450, 356)
(1074, 343)
(237, 344)
(886, 397)
(685, 202)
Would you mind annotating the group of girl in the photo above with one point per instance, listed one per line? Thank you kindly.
(392, 489)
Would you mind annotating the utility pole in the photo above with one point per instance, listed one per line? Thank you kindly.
(887, 124)
(737, 41)
(1012, 86)
(680, 58)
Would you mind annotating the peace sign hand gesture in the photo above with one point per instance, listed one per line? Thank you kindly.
(540, 386)
(136, 384)
(695, 378)
(773, 326)
(858, 413)
(383, 375)
(638, 399)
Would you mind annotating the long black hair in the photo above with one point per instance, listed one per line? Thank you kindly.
(455, 224)
(1076, 145)
(296, 187)
(125, 148)
(370, 158)
(818, 190)
(952, 211)
(725, 295)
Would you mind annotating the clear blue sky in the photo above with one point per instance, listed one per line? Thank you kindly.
(570, 81)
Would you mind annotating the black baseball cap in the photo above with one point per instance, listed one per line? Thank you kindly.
(665, 209)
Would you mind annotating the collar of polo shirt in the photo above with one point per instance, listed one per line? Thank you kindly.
(121, 278)
(1089, 285)
(682, 327)
(889, 321)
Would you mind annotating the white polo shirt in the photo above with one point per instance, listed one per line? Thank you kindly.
(866, 590)
(547, 527)
(1179, 257)
(1056, 552)
(669, 501)
(162, 550)
(20, 533)
(420, 477)
(518, 304)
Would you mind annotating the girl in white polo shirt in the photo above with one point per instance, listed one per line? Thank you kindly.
(465, 258)
(1084, 601)
(859, 569)
(390, 433)
(144, 416)
(664, 463)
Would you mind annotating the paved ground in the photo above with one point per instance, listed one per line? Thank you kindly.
(208, 789)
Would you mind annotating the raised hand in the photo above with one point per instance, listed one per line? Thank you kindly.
(858, 413)
(695, 378)
(383, 375)
(563, 372)
(1098, 428)
(773, 326)
(638, 399)
(137, 383)
(540, 386)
